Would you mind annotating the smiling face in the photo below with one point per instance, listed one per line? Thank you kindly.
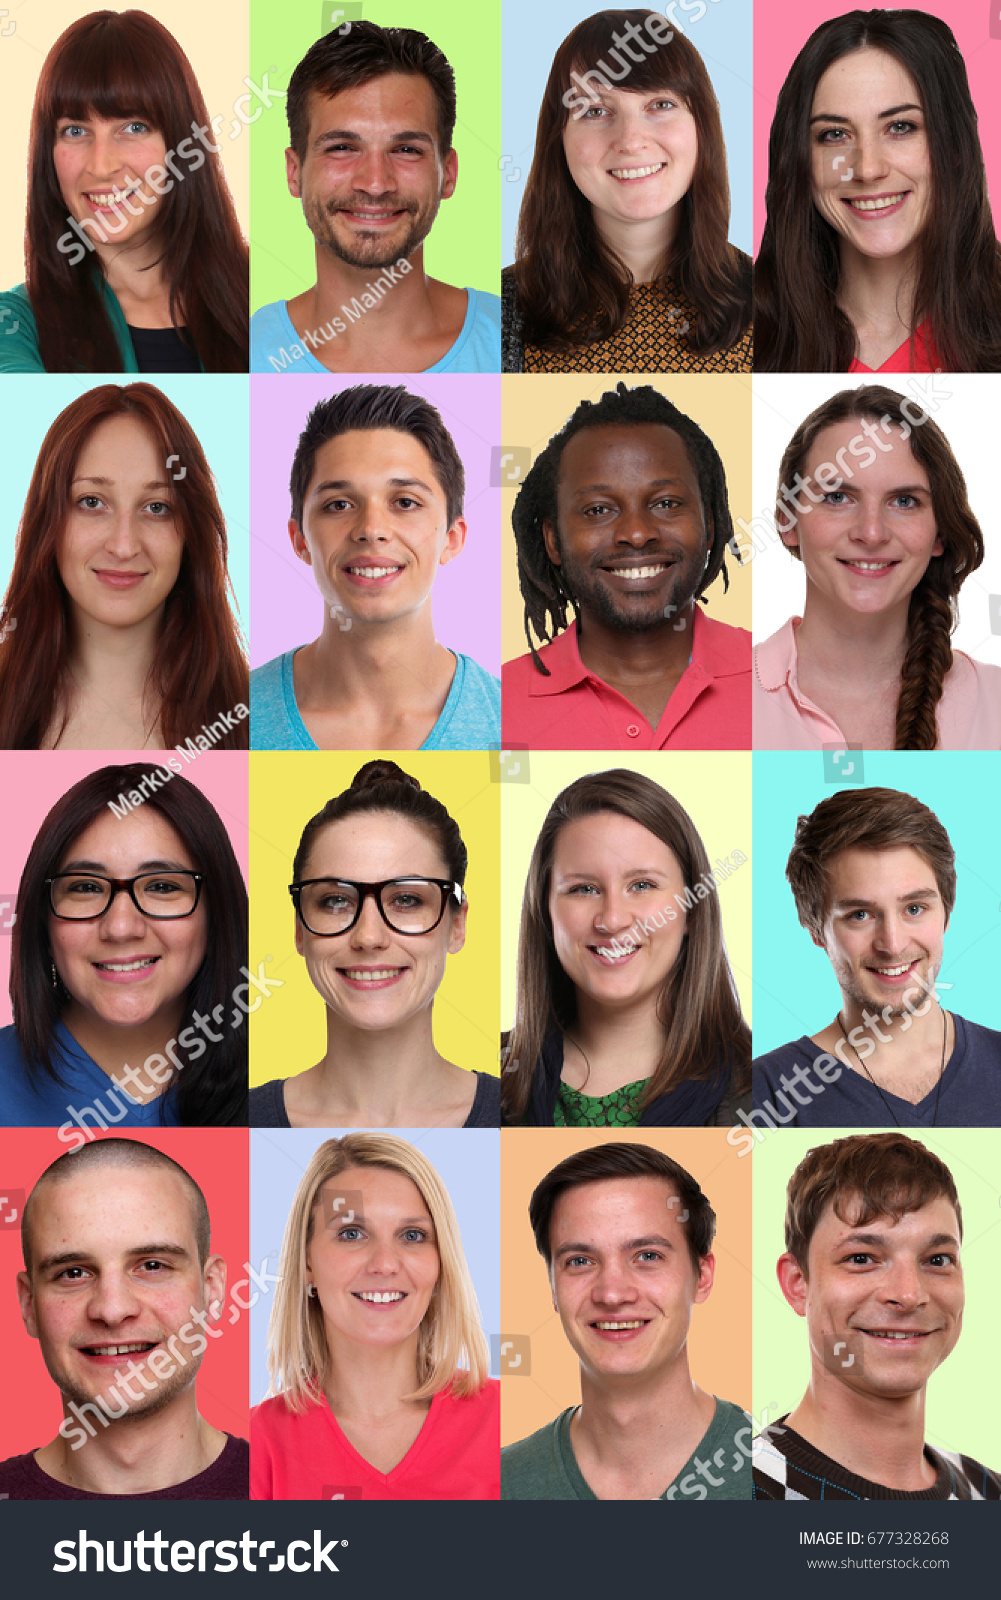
(631, 539)
(124, 969)
(119, 554)
(100, 167)
(375, 1273)
(370, 976)
(608, 873)
(884, 1300)
(115, 1267)
(870, 158)
(884, 928)
(375, 526)
(632, 154)
(866, 545)
(622, 1278)
(372, 178)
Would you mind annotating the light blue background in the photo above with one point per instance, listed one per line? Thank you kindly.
(531, 36)
(217, 405)
(794, 988)
(468, 1163)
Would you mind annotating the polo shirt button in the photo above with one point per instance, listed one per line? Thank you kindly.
(633, 730)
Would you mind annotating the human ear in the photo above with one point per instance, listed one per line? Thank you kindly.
(792, 1282)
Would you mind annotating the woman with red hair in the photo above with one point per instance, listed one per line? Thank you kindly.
(116, 630)
(134, 260)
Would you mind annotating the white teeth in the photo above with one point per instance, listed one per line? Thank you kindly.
(635, 573)
(121, 1349)
(887, 1333)
(126, 966)
(373, 572)
(871, 566)
(381, 1299)
(616, 1326)
(636, 172)
(876, 205)
(368, 976)
(892, 972)
(112, 199)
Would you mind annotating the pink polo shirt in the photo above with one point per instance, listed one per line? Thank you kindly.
(574, 709)
(968, 715)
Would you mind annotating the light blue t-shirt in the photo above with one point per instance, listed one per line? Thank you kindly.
(470, 717)
(85, 1098)
(276, 347)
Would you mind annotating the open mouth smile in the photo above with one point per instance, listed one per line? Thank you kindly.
(874, 207)
(112, 1353)
(631, 174)
(366, 574)
(126, 971)
(107, 200)
(380, 1297)
(371, 977)
(868, 569)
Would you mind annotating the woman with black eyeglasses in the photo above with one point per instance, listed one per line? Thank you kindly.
(126, 961)
(379, 906)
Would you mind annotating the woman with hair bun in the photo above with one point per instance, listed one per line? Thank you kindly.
(887, 538)
(375, 950)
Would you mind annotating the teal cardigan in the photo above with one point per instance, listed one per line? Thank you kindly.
(19, 332)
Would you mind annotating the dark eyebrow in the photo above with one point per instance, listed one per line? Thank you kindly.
(412, 135)
(144, 866)
(836, 116)
(609, 488)
(858, 902)
(631, 1244)
(79, 1258)
(347, 483)
(109, 483)
(880, 1240)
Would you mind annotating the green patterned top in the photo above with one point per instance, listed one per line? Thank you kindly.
(619, 1109)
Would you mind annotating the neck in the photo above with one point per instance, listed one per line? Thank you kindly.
(112, 665)
(367, 1381)
(620, 656)
(402, 304)
(627, 1041)
(371, 663)
(879, 1438)
(630, 1421)
(644, 248)
(845, 646)
(133, 270)
(137, 1455)
(904, 1037)
(376, 1075)
(878, 291)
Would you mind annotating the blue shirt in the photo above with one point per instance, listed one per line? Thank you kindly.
(470, 717)
(969, 1095)
(276, 347)
(85, 1098)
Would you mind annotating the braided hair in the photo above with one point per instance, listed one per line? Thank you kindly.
(543, 585)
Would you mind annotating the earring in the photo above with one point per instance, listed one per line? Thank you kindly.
(55, 975)
(311, 1291)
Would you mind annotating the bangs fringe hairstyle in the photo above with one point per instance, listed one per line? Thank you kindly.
(383, 786)
(119, 64)
(211, 1090)
(933, 612)
(704, 1029)
(199, 669)
(572, 288)
(864, 1177)
(452, 1352)
(798, 325)
(543, 585)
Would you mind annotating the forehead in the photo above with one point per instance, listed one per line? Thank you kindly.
(895, 461)
(395, 102)
(373, 455)
(878, 875)
(118, 446)
(864, 83)
(383, 1191)
(373, 845)
(107, 1210)
(143, 835)
(912, 1231)
(624, 453)
(609, 842)
(614, 1210)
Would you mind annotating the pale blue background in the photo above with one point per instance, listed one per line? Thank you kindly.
(794, 989)
(531, 36)
(217, 405)
(466, 1159)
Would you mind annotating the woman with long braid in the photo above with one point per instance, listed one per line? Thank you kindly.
(874, 504)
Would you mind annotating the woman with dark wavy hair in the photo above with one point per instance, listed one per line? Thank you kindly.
(879, 252)
(134, 260)
(127, 953)
(627, 1012)
(882, 524)
(622, 258)
(117, 632)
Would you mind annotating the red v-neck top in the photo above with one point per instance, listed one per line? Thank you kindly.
(926, 357)
(456, 1455)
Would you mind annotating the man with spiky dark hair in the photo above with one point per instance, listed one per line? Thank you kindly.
(624, 518)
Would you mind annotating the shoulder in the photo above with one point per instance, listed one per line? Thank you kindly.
(983, 1484)
(10, 1048)
(270, 686)
(477, 348)
(484, 1404)
(727, 647)
(19, 1478)
(769, 1065)
(273, 1418)
(528, 1460)
(266, 318)
(267, 678)
(485, 1111)
(266, 1105)
(274, 342)
(522, 671)
(18, 333)
(476, 680)
(470, 717)
(485, 307)
(981, 1041)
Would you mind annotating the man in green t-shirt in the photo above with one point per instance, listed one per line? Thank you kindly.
(627, 1235)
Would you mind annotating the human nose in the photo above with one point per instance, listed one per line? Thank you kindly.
(123, 919)
(869, 525)
(373, 172)
(122, 538)
(630, 131)
(611, 914)
(612, 1284)
(383, 1255)
(105, 156)
(113, 1299)
(634, 526)
(902, 1285)
(891, 935)
(869, 158)
(370, 931)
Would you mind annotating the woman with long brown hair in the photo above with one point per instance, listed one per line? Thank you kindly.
(622, 258)
(883, 527)
(116, 627)
(627, 1013)
(879, 252)
(133, 253)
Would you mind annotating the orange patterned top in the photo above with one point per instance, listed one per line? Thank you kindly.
(650, 340)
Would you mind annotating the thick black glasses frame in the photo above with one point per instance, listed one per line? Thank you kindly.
(129, 886)
(447, 887)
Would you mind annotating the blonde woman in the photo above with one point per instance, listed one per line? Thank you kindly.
(378, 1363)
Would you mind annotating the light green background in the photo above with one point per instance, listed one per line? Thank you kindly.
(463, 247)
(963, 1410)
(217, 406)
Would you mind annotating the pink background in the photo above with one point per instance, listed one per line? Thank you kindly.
(782, 27)
(31, 782)
(285, 607)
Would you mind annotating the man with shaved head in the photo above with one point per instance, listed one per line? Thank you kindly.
(119, 1287)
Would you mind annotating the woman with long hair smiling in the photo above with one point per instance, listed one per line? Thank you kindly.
(879, 252)
(622, 258)
(626, 1013)
(133, 253)
(117, 632)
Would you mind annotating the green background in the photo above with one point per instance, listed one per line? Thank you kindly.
(463, 247)
(962, 1406)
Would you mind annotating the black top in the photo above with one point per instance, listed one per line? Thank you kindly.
(267, 1104)
(162, 350)
(694, 1103)
(228, 1478)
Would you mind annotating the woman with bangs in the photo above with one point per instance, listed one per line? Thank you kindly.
(379, 1366)
(116, 630)
(622, 257)
(133, 254)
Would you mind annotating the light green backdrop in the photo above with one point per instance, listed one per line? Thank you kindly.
(963, 1411)
(463, 247)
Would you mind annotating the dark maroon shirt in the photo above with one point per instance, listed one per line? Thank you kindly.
(228, 1478)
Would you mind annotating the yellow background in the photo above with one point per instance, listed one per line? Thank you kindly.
(535, 406)
(719, 1346)
(713, 786)
(215, 37)
(288, 1031)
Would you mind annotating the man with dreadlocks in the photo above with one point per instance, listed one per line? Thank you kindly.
(624, 518)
